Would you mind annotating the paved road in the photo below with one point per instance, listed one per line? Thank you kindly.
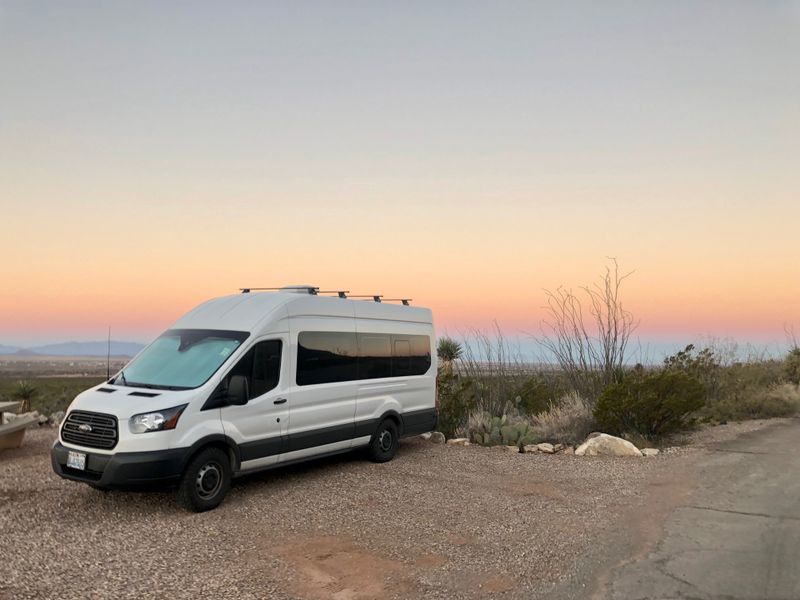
(736, 536)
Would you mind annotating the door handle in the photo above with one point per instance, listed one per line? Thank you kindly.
(279, 401)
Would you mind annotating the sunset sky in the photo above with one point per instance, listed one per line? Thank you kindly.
(465, 154)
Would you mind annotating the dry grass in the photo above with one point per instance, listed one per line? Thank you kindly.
(567, 422)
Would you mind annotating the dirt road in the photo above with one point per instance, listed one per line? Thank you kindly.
(437, 522)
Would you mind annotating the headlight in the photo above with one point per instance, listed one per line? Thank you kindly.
(158, 420)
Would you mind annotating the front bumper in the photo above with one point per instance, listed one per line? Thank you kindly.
(123, 470)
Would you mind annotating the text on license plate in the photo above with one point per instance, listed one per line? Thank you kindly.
(76, 460)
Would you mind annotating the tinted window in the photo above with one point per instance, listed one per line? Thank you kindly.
(261, 366)
(326, 357)
(374, 355)
(411, 355)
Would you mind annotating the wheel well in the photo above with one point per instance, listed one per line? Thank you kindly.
(392, 416)
(222, 445)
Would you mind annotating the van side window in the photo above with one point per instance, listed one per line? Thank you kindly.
(374, 355)
(261, 366)
(326, 357)
(401, 358)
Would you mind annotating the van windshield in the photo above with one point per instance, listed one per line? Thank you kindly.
(180, 359)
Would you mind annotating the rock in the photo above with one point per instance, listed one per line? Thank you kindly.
(57, 417)
(458, 441)
(425, 436)
(607, 445)
(650, 451)
(530, 448)
(558, 447)
(546, 448)
(569, 450)
(512, 449)
(43, 420)
(437, 437)
(594, 434)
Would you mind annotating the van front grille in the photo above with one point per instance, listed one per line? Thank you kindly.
(94, 430)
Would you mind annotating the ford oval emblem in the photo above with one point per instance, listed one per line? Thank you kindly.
(84, 427)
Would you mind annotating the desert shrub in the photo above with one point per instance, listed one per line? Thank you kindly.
(704, 365)
(508, 430)
(650, 404)
(454, 402)
(778, 401)
(536, 393)
(792, 366)
(567, 421)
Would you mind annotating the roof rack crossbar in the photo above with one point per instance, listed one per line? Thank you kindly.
(405, 301)
(310, 289)
(375, 297)
(340, 293)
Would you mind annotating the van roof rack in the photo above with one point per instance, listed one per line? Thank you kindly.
(405, 301)
(375, 297)
(307, 288)
(340, 293)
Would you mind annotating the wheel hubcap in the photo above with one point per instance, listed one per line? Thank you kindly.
(209, 480)
(385, 441)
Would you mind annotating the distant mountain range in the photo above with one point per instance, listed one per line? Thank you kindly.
(77, 349)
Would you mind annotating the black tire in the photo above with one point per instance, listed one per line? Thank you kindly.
(205, 481)
(384, 442)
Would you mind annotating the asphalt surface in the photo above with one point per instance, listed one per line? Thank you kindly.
(736, 536)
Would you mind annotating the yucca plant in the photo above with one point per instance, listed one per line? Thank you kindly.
(448, 352)
(25, 391)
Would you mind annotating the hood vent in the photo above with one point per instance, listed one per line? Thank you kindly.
(106, 390)
(144, 394)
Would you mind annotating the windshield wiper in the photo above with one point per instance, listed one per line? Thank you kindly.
(122, 376)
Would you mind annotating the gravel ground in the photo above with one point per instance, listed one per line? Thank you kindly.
(437, 522)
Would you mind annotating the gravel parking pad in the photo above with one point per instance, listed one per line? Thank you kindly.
(437, 522)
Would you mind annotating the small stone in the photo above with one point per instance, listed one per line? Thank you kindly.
(558, 447)
(458, 441)
(546, 448)
(569, 450)
(531, 448)
(42, 420)
(650, 451)
(512, 449)
(425, 436)
(57, 417)
(437, 437)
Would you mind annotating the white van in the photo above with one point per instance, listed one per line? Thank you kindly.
(252, 381)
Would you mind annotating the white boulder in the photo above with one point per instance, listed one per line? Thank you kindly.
(458, 441)
(546, 448)
(650, 451)
(607, 445)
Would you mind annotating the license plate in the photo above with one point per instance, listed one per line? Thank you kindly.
(76, 460)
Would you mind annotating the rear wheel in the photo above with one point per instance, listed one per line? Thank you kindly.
(206, 480)
(384, 442)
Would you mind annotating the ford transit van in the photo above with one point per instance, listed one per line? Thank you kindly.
(254, 381)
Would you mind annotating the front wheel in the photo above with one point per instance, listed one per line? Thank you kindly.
(384, 443)
(206, 481)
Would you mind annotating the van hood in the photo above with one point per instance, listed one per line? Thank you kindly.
(123, 401)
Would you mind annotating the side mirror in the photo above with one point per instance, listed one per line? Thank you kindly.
(238, 391)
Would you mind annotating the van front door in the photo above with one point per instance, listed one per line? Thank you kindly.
(258, 426)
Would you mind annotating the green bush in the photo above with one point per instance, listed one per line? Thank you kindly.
(792, 366)
(535, 394)
(650, 404)
(454, 402)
